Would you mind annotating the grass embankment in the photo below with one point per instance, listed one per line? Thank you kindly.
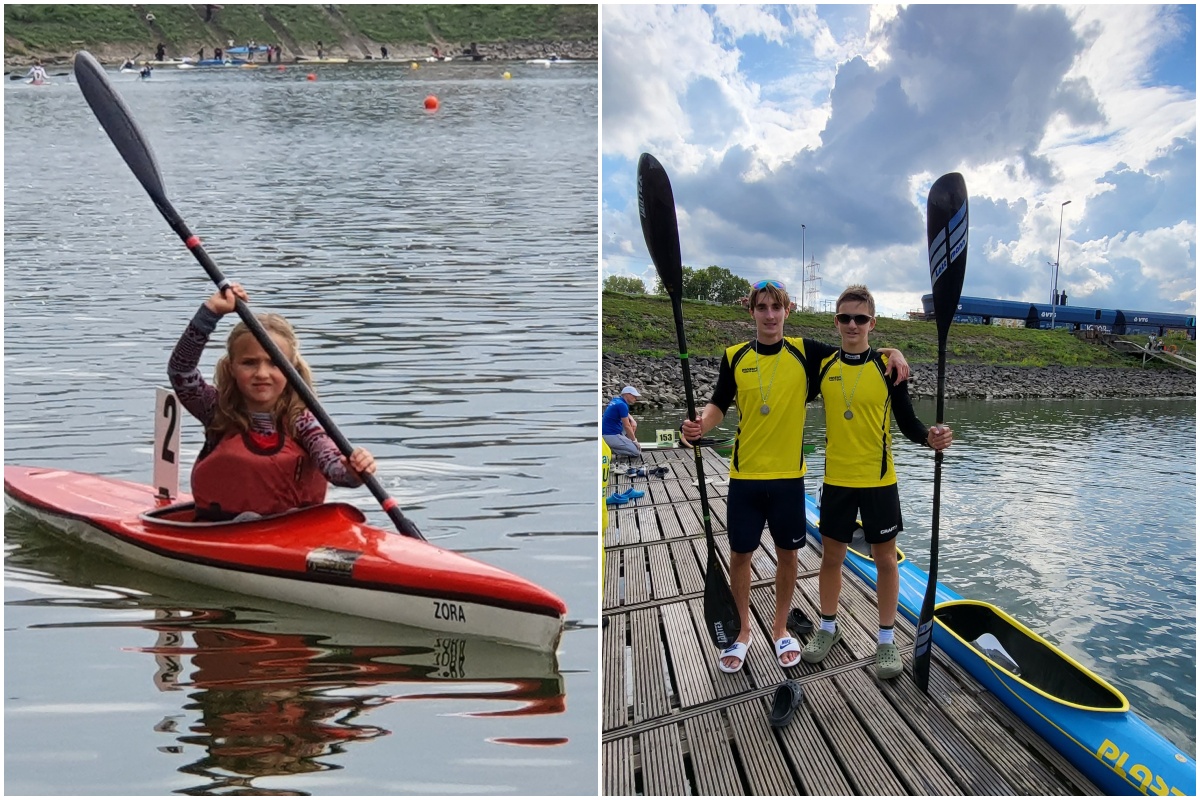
(42, 30)
(643, 325)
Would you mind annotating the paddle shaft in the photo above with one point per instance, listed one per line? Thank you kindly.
(677, 312)
(117, 121)
(947, 231)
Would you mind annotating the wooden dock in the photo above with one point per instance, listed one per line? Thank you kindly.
(673, 724)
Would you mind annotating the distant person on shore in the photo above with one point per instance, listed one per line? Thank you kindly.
(200, 54)
(770, 377)
(860, 477)
(218, 54)
(618, 427)
(160, 52)
(320, 49)
(383, 51)
(437, 53)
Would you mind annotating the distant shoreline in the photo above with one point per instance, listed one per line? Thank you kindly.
(660, 380)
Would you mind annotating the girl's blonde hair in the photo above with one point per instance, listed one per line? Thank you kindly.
(231, 413)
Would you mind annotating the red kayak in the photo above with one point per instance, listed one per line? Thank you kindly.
(324, 557)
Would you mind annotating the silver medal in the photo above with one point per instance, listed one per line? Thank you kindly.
(766, 409)
(849, 414)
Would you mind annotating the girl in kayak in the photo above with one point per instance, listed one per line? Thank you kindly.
(264, 452)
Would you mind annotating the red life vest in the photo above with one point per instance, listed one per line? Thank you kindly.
(239, 475)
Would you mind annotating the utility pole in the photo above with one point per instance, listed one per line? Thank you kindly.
(812, 274)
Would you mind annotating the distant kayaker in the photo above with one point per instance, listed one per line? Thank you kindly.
(264, 452)
(770, 378)
(146, 71)
(618, 427)
(37, 73)
(860, 477)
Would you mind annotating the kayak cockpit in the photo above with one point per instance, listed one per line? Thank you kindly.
(1007, 644)
(183, 517)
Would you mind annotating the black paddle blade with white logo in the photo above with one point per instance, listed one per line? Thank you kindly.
(720, 611)
(656, 208)
(946, 226)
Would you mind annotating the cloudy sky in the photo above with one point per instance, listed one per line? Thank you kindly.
(840, 117)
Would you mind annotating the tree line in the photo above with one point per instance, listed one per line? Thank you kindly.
(714, 284)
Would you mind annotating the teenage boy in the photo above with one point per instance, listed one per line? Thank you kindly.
(769, 378)
(860, 478)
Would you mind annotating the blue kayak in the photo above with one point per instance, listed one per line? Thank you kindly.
(1080, 714)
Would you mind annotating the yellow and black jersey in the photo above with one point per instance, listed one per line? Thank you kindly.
(860, 401)
(776, 376)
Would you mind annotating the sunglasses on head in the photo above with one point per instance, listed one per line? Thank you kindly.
(773, 284)
(859, 319)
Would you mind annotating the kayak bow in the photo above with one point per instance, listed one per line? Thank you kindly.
(324, 557)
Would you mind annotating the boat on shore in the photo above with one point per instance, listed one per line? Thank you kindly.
(324, 557)
(1080, 714)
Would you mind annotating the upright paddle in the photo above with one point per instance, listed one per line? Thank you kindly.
(946, 224)
(656, 206)
(118, 123)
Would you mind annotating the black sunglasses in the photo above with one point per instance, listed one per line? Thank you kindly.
(859, 319)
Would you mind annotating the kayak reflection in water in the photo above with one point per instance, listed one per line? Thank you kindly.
(264, 452)
(270, 703)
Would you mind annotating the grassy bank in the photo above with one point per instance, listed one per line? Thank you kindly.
(51, 30)
(643, 325)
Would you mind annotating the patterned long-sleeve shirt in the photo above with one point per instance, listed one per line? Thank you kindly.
(200, 399)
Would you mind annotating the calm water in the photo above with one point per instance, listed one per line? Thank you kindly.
(1077, 517)
(440, 270)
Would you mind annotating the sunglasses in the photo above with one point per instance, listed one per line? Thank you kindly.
(859, 319)
(772, 284)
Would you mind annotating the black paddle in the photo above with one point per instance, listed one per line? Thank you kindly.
(656, 206)
(118, 123)
(946, 224)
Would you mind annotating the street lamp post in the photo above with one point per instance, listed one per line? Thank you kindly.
(1054, 290)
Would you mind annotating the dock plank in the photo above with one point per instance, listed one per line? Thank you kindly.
(619, 773)
(650, 690)
(855, 751)
(713, 763)
(692, 680)
(615, 702)
(662, 763)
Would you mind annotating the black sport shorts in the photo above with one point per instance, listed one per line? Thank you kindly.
(877, 506)
(779, 503)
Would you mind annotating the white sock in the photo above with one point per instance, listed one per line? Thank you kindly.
(887, 635)
(829, 625)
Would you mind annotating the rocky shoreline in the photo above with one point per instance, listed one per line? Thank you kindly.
(114, 55)
(660, 381)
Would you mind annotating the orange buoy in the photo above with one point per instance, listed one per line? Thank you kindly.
(282, 67)
(431, 103)
(312, 76)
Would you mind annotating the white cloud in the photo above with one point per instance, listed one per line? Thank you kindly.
(840, 117)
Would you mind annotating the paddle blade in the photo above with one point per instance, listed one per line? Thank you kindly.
(721, 616)
(117, 121)
(946, 224)
(656, 207)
